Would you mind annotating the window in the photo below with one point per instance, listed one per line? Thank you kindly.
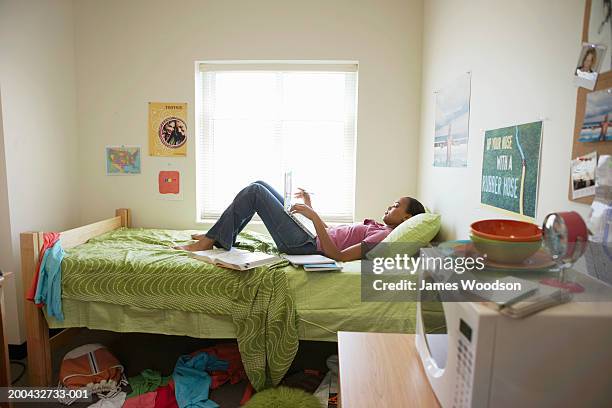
(258, 120)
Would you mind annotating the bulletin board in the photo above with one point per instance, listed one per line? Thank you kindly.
(604, 81)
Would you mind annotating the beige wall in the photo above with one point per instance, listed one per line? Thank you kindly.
(37, 81)
(132, 52)
(521, 54)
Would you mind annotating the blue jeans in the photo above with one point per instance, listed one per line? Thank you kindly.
(259, 197)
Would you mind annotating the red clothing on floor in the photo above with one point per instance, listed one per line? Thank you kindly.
(165, 397)
(141, 401)
(235, 372)
(49, 239)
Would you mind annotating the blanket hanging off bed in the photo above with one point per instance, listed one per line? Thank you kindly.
(138, 267)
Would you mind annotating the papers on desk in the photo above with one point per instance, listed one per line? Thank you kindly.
(503, 298)
(532, 298)
(545, 297)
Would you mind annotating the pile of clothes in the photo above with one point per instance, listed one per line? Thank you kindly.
(94, 367)
(189, 385)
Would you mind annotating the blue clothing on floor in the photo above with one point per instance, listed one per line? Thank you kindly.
(192, 382)
(261, 198)
(49, 289)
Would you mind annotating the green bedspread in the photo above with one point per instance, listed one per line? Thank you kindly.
(138, 267)
(131, 280)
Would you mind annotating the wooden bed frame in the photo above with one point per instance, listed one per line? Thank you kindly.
(40, 344)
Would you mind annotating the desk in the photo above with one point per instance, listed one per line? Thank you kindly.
(382, 370)
(5, 365)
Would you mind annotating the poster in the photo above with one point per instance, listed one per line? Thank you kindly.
(122, 160)
(169, 183)
(510, 168)
(452, 124)
(583, 175)
(597, 117)
(167, 129)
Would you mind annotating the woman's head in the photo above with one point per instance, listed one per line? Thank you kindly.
(589, 60)
(401, 210)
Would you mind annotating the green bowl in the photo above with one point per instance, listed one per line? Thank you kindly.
(505, 251)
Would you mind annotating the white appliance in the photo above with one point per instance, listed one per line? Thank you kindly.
(559, 357)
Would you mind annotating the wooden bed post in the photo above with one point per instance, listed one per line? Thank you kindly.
(40, 366)
(126, 217)
(37, 331)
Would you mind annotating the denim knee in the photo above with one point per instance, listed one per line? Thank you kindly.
(254, 188)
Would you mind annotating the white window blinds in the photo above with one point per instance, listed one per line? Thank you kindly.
(258, 120)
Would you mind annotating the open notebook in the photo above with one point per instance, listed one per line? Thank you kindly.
(239, 259)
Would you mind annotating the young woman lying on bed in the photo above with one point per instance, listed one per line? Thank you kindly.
(342, 243)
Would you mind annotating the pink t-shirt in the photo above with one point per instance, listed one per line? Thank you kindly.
(344, 236)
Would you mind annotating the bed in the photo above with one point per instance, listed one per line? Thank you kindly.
(123, 279)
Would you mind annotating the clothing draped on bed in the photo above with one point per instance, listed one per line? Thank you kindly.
(137, 267)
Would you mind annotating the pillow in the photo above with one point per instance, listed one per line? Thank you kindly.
(408, 237)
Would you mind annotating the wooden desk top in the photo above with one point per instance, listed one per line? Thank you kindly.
(382, 370)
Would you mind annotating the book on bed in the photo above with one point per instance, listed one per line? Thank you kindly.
(238, 259)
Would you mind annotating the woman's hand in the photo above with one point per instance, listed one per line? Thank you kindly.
(304, 195)
(305, 210)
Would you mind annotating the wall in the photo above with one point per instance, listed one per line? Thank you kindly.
(130, 53)
(37, 81)
(521, 54)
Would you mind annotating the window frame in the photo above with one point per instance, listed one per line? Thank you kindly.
(273, 66)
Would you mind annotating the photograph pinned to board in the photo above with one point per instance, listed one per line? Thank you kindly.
(122, 160)
(511, 168)
(597, 117)
(600, 29)
(589, 63)
(451, 133)
(169, 183)
(167, 129)
(583, 175)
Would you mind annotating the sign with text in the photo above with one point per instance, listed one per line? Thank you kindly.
(510, 168)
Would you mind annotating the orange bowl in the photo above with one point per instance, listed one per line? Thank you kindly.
(507, 230)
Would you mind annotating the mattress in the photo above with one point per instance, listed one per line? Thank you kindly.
(321, 311)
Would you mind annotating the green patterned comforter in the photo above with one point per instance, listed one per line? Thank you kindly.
(138, 267)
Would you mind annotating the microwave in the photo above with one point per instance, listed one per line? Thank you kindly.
(473, 356)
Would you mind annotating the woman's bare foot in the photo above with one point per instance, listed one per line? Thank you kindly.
(198, 236)
(202, 245)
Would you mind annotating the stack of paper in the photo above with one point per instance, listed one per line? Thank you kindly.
(313, 262)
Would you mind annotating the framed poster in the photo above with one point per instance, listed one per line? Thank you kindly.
(452, 123)
(122, 160)
(511, 168)
(167, 129)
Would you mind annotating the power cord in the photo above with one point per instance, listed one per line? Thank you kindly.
(21, 374)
